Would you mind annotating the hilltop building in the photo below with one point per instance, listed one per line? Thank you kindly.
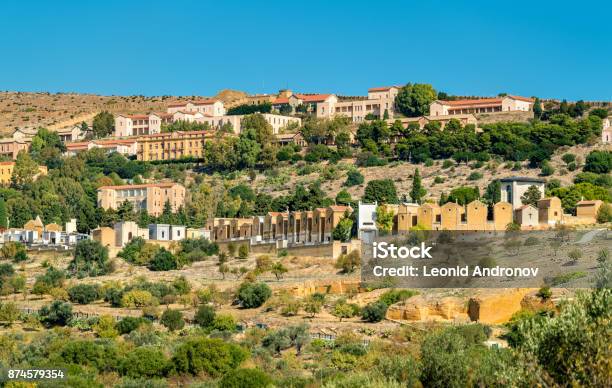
(150, 197)
(135, 125)
(210, 107)
(482, 105)
(378, 101)
(513, 188)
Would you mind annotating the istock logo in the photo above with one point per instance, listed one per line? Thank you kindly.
(385, 250)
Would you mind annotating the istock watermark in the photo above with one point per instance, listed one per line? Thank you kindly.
(443, 259)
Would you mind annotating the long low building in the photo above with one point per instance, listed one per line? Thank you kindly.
(481, 105)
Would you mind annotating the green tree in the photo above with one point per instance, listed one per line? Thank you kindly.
(24, 171)
(413, 100)
(380, 191)
(348, 262)
(3, 214)
(384, 219)
(172, 320)
(252, 295)
(83, 293)
(207, 355)
(243, 252)
(374, 312)
(205, 316)
(353, 178)
(343, 310)
(493, 192)
(57, 313)
(103, 124)
(245, 378)
(342, 231)
(537, 108)
(90, 259)
(604, 214)
(344, 198)
(278, 269)
(418, 191)
(598, 162)
(531, 196)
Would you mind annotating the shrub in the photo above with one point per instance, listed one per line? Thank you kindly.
(138, 298)
(604, 214)
(599, 162)
(129, 324)
(57, 313)
(251, 295)
(245, 378)
(547, 169)
(447, 163)
(163, 260)
(243, 252)
(90, 259)
(544, 293)
(209, 355)
(144, 361)
(205, 316)
(393, 296)
(101, 355)
(224, 322)
(83, 293)
(438, 180)
(568, 158)
(181, 285)
(172, 320)
(475, 176)
(353, 178)
(444, 360)
(105, 327)
(374, 312)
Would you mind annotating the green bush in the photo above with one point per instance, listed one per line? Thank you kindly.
(172, 320)
(57, 313)
(245, 378)
(90, 259)
(393, 296)
(447, 163)
(207, 355)
(144, 361)
(83, 293)
(101, 355)
(374, 312)
(205, 316)
(251, 295)
(475, 176)
(129, 324)
(353, 178)
(163, 260)
(224, 322)
(598, 162)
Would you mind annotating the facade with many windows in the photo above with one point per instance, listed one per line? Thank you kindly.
(150, 197)
(170, 146)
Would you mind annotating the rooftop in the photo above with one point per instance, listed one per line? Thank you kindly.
(522, 179)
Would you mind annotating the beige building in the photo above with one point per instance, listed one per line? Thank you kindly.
(6, 172)
(125, 147)
(513, 188)
(277, 122)
(308, 101)
(206, 107)
(550, 211)
(290, 138)
(149, 197)
(588, 209)
(527, 217)
(443, 120)
(378, 101)
(10, 147)
(171, 145)
(482, 105)
(135, 125)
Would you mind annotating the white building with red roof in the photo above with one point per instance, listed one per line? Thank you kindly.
(142, 124)
(378, 101)
(481, 105)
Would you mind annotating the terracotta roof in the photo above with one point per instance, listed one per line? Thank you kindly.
(281, 100)
(479, 102)
(7, 163)
(169, 134)
(204, 102)
(274, 214)
(522, 98)
(286, 135)
(383, 88)
(313, 97)
(122, 187)
(339, 208)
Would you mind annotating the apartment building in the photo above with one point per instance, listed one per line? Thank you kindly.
(6, 172)
(10, 147)
(68, 134)
(135, 125)
(277, 122)
(481, 105)
(171, 145)
(208, 107)
(378, 101)
(149, 197)
(308, 102)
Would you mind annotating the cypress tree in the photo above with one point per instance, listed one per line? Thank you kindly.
(3, 214)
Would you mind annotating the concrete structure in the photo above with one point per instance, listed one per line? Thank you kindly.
(125, 231)
(135, 125)
(357, 109)
(166, 232)
(527, 217)
(550, 211)
(588, 209)
(150, 197)
(104, 235)
(513, 188)
(171, 145)
(206, 107)
(606, 132)
(482, 105)
(6, 172)
(443, 120)
(126, 147)
(366, 221)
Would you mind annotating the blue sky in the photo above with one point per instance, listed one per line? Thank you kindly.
(547, 49)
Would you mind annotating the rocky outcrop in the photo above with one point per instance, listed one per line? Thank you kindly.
(496, 305)
(336, 287)
(420, 308)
